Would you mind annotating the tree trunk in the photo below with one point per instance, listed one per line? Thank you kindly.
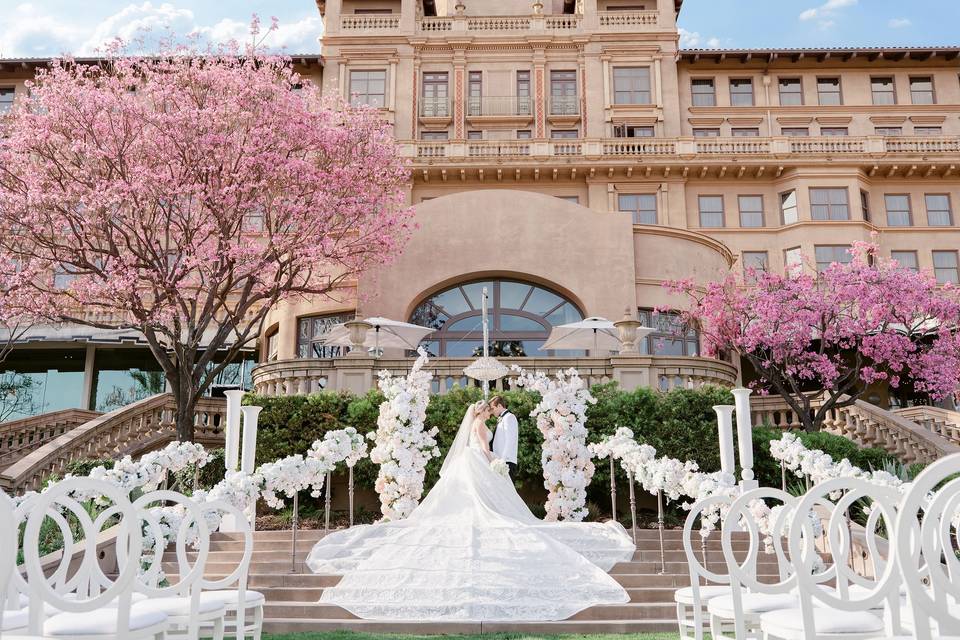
(186, 403)
(810, 424)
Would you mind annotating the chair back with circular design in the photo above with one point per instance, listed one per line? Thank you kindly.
(695, 526)
(927, 538)
(237, 579)
(84, 590)
(752, 515)
(838, 584)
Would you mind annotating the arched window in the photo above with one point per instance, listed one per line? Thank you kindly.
(521, 316)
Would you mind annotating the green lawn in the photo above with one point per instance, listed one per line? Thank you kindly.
(352, 635)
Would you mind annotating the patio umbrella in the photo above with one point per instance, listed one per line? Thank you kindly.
(595, 334)
(384, 334)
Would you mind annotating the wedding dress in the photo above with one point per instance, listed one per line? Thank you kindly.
(472, 551)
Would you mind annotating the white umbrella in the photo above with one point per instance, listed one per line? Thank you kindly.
(384, 333)
(596, 334)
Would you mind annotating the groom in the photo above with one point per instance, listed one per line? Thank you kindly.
(505, 437)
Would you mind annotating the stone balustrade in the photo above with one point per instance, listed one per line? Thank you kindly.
(686, 149)
(942, 422)
(868, 425)
(131, 430)
(366, 23)
(19, 437)
(358, 375)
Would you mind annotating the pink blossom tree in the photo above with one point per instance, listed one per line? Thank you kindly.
(852, 325)
(185, 195)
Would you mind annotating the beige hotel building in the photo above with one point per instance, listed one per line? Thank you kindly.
(567, 155)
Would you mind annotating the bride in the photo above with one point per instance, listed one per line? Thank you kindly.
(472, 551)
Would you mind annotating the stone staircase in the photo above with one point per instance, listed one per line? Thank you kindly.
(292, 592)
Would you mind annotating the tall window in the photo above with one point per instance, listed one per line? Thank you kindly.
(521, 316)
(642, 206)
(631, 85)
(523, 93)
(273, 346)
(6, 98)
(939, 212)
(789, 210)
(791, 92)
(834, 131)
(741, 92)
(704, 92)
(945, 267)
(475, 93)
(921, 90)
(368, 87)
(563, 93)
(313, 330)
(907, 259)
(753, 263)
(865, 205)
(828, 91)
(830, 254)
(435, 101)
(829, 204)
(793, 260)
(711, 211)
(670, 336)
(888, 131)
(898, 210)
(884, 91)
(751, 211)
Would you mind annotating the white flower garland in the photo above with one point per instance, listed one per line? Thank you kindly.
(401, 445)
(561, 417)
(820, 466)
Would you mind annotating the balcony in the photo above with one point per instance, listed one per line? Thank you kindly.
(370, 23)
(302, 376)
(517, 110)
(565, 106)
(606, 21)
(436, 110)
(627, 21)
(926, 151)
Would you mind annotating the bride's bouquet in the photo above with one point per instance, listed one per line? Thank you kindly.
(498, 465)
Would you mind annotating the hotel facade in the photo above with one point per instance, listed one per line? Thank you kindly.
(568, 157)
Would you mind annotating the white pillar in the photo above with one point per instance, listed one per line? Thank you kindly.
(231, 449)
(725, 429)
(745, 437)
(250, 417)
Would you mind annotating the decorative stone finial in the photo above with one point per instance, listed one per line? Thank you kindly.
(627, 328)
(537, 7)
(460, 7)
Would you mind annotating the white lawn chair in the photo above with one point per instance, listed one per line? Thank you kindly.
(828, 608)
(737, 614)
(692, 601)
(231, 591)
(180, 600)
(91, 609)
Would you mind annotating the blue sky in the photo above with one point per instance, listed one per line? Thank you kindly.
(49, 27)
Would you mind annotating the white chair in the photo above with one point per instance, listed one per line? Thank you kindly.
(692, 601)
(828, 608)
(90, 607)
(180, 600)
(231, 591)
(750, 597)
(925, 537)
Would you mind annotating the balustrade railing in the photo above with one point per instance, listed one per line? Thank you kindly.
(500, 106)
(681, 148)
(562, 22)
(370, 22)
(130, 430)
(304, 376)
(20, 437)
(866, 424)
(435, 25)
(627, 20)
(564, 105)
(498, 149)
(498, 23)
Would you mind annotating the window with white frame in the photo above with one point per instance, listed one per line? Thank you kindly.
(789, 210)
(368, 87)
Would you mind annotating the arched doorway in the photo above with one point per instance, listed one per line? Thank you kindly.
(521, 317)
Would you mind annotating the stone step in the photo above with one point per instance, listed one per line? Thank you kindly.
(316, 534)
(650, 595)
(571, 627)
(320, 611)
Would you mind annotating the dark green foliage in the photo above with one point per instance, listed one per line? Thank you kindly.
(84, 466)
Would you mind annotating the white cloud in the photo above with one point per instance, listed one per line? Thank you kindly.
(693, 40)
(899, 23)
(30, 32)
(826, 11)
